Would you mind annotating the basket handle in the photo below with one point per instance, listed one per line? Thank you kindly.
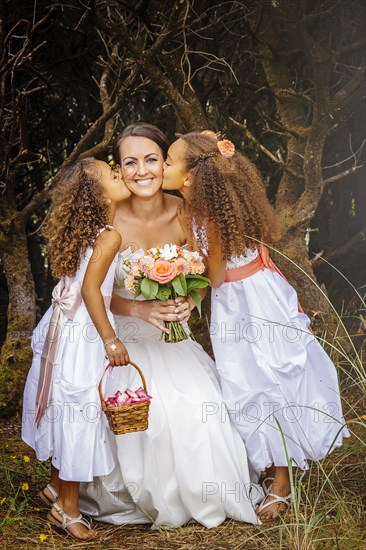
(105, 370)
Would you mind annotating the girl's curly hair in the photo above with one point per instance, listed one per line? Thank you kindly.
(77, 212)
(229, 193)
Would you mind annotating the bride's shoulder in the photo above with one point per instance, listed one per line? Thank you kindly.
(172, 201)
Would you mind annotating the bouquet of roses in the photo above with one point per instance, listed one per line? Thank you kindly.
(164, 273)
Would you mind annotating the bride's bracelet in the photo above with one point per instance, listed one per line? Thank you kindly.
(111, 343)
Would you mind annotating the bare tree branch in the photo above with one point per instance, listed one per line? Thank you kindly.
(266, 151)
(342, 175)
(79, 151)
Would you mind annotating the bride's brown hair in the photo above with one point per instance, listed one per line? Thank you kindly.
(141, 129)
(230, 194)
(78, 210)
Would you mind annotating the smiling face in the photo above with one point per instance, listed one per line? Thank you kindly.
(176, 175)
(112, 183)
(141, 165)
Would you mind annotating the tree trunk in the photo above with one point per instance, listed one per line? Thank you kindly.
(16, 353)
(301, 185)
(298, 270)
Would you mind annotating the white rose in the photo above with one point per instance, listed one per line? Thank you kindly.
(168, 252)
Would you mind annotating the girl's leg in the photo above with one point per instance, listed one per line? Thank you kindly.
(68, 501)
(55, 484)
(55, 480)
(280, 487)
(49, 493)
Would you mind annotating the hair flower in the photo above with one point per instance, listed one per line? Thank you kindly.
(209, 133)
(226, 148)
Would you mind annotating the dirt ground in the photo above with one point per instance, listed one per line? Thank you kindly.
(330, 516)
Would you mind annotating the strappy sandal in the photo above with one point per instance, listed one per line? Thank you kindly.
(67, 521)
(44, 497)
(267, 484)
(256, 494)
(276, 500)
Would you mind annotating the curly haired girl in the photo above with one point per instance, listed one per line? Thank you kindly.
(75, 337)
(279, 385)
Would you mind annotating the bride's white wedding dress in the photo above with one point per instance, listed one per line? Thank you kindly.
(191, 463)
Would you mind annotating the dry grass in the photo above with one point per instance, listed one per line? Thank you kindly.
(328, 511)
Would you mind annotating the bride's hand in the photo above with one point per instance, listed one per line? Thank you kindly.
(185, 305)
(156, 311)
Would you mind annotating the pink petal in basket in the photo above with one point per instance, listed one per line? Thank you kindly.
(144, 399)
(131, 393)
(141, 393)
(122, 399)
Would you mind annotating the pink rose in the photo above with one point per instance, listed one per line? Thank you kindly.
(162, 271)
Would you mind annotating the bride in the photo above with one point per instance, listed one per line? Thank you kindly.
(191, 463)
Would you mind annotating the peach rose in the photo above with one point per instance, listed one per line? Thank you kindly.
(226, 148)
(163, 271)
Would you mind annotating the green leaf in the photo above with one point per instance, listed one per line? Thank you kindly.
(180, 285)
(149, 288)
(198, 277)
(197, 300)
(137, 292)
(164, 293)
(196, 283)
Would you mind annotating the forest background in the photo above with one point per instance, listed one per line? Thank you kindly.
(285, 81)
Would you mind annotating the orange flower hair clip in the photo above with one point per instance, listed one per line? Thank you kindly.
(225, 146)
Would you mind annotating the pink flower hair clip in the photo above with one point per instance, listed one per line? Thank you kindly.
(225, 146)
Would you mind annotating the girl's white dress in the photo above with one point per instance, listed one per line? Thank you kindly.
(191, 463)
(73, 430)
(279, 385)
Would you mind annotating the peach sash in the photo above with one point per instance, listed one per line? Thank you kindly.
(65, 302)
(258, 264)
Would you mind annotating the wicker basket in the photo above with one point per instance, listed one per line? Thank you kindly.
(127, 418)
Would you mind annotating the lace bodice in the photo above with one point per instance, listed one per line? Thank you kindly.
(238, 261)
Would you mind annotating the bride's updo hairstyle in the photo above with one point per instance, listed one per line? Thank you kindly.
(228, 192)
(141, 129)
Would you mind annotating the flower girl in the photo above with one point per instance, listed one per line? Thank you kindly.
(278, 383)
(74, 340)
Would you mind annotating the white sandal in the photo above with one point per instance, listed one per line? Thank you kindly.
(67, 521)
(256, 494)
(45, 498)
(276, 500)
(267, 486)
